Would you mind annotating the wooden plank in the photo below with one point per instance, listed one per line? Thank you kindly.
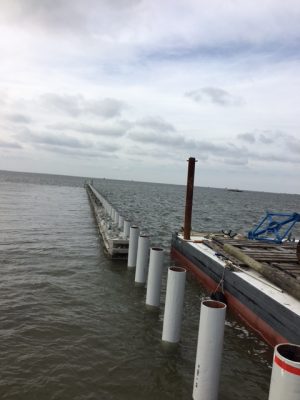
(288, 269)
(271, 261)
(272, 256)
(270, 253)
(289, 265)
(267, 254)
(272, 250)
(253, 243)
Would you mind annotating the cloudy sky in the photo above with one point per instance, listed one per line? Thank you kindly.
(129, 89)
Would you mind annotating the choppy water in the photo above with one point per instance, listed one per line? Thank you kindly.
(72, 324)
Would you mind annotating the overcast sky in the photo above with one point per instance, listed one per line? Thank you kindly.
(129, 89)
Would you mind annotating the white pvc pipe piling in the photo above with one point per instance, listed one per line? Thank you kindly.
(142, 259)
(285, 378)
(126, 229)
(116, 218)
(154, 276)
(174, 304)
(209, 350)
(121, 222)
(133, 246)
(112, 213)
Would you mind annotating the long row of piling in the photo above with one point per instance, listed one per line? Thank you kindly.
(148, 263)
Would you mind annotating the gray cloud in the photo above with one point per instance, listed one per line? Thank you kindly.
(74, 105)
(55, 140)
(62, 15)
(214, 95)
(247, 137)
(19, 118)
(273, 157)
(236, 161)
(109, 131)
(76, 152)
(266, 139)
(107, 108)
(101, 131)
(156, 124)
(9, 145)
(65, 144)
(45, 13)
(229, 152)
(178, 141)
(269, 137)
(71, 105)
(156, 153)
(293, 144)
(156, 138)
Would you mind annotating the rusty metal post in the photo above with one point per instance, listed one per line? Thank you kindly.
(189, 199)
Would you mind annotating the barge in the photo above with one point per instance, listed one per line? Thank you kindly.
(259, 280)
(265, 307)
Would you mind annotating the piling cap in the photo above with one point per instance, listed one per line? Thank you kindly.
(177, 269)
(213, 304)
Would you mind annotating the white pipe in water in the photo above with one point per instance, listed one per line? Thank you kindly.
(209, 350)
(121, 222)
(285, 378)
(133, 246)
(142, 259)
(112, 213)
(126, 229)
(174, 304)
(154, 276)
(116, 218)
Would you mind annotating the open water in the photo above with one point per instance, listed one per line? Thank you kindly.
(73, 325)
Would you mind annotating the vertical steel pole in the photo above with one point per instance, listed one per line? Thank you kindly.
(189, 198)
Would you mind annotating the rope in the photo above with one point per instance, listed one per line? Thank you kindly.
(221, 283)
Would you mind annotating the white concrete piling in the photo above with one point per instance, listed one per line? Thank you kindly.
(112, 213)
(209, 350)
(121, 222)
(285, 378)
(133, 246)
(142, 260)
(116, 218)
(126, 229)
(154, 277)
(174, 304)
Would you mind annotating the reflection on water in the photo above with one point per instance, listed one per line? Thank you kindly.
(72, 323)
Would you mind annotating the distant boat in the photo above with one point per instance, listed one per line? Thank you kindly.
(234, 190)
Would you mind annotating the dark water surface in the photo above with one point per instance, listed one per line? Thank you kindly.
(72, 324)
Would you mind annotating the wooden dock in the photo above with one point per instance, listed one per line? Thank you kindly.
(115, 245)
